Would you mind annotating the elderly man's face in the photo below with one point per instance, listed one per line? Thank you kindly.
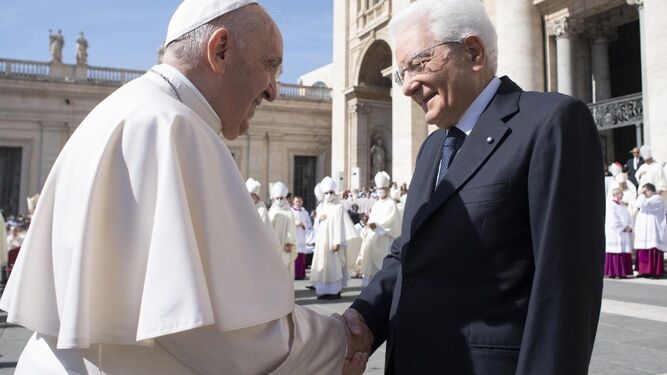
(252, 77)
(443, 89)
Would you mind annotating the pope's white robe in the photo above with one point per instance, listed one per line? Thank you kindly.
(617, 218)
(145, 235)
(377, 242)
(650, 223)
(329, 268)
(301, 216)
(282, 221)
(652, 173)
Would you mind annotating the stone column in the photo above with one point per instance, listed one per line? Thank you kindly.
(652, 14)
(520, 43)
(565, 30)
(600, 37)
(340, 73)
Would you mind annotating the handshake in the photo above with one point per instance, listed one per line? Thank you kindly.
(359, 342)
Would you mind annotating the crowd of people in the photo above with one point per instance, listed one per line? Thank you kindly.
(347, 235)
(13, 230)
(636, 217)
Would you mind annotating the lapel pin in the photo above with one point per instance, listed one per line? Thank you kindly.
(489, 140)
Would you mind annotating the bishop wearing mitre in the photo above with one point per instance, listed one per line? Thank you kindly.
(282, 220)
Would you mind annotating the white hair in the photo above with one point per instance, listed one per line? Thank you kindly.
(188, 48)
(450, 21)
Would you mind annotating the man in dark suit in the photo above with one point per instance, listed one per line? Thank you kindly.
(633, 164)
(499, 266)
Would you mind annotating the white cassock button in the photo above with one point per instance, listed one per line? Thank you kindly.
(489, 140)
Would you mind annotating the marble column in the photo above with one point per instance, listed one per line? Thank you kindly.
(565, 30)
(652, 14)
(520, 43)
(600, 37)
(340, 69)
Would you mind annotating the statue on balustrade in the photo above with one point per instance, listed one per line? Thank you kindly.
(81, 50)
(56, 43)
(378, 156)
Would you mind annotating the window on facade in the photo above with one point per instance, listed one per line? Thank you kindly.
(305, 179)
(10, 180)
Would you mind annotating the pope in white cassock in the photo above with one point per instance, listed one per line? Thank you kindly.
(145, 254)
(253, 187)
(335, 230)
(651, 172)
(384, 223)
(282, 221)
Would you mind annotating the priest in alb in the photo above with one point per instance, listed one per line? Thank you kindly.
(335, 231)
(145, 254)
(282, 221)
(651, 172)
(253, 187)
(384, 224)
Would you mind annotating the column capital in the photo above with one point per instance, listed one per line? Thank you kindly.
(601, 33)
(636, 3)
(565, 27)
(359, 108)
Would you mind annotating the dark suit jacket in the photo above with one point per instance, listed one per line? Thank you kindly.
(499, 270)
(630, 167)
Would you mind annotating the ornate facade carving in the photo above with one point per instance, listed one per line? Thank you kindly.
(565, 27)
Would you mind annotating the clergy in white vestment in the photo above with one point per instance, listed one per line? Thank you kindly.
(384, 223)
(145, 254)
(618, 229)
(282, 221)
(614, 169)
(253, 186)
(304, 227)
(335, 231)
(650, 230)
(627, 188)
(651, 172)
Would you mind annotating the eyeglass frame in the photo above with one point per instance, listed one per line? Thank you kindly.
(400, 73)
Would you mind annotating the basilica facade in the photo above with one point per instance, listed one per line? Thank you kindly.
(608, 53)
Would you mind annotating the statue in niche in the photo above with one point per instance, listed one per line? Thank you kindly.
(56, 43)
(81, 50)
(378, 157)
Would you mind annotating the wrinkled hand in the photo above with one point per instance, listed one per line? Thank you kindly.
(323, 217)
(360, 341)
(372, 226)
(288, 248)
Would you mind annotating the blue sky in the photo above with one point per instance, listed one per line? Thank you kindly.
(127, 34)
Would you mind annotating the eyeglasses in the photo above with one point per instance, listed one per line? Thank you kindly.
(416, 64)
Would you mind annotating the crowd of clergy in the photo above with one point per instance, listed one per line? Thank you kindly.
(636, 217)
(347, 235)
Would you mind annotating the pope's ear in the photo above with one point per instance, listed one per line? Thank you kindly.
(217, 50)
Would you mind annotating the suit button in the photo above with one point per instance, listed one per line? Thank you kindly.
(408, 282)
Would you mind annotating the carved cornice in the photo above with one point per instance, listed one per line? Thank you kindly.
(636, 3)
(565, 27)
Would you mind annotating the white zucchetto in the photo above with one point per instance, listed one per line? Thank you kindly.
(252, 185)
(382, 179)
(194, 13)
(646, 152)
(279, 190)
(327, 184)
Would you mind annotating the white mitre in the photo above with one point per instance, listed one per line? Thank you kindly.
(253, 186)
(194, 13)
(328, 184)
(645, 150)
(32, 202)
(615, 169)
(382, 180)
(318, 193)
(279, 190)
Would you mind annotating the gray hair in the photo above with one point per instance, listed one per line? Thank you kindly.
(450, 21)
(614, 191)
(189, 47)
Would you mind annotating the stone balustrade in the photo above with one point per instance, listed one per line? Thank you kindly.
(617, 112)
(34, 70)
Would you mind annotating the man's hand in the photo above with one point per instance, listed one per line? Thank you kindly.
(372, 226)
(322, 218)
(288, 248)
(359, 342)
(335, 248)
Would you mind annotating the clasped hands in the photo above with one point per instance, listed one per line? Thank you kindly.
(359, 342)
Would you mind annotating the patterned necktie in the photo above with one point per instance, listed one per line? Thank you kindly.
(450, 147)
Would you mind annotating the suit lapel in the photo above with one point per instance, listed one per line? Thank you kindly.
(476, 149)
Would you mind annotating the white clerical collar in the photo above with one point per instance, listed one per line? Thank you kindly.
(471, 115)
(190, 95)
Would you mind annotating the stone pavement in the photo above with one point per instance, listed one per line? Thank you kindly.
(631, 339)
